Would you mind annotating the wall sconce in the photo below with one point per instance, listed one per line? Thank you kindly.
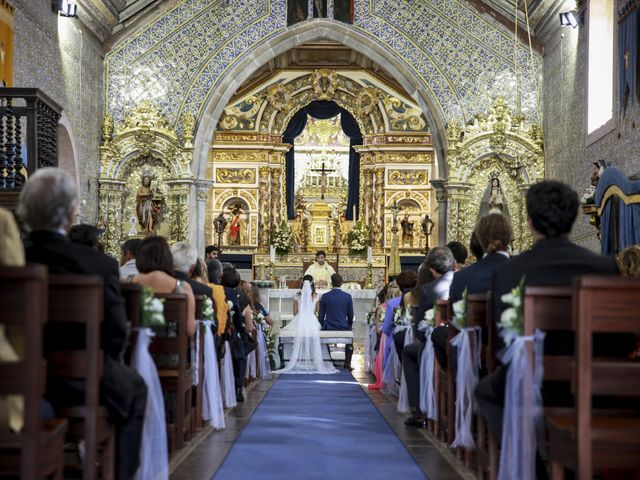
(64, 8)
(568, 19)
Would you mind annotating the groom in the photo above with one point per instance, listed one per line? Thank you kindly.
(336, 313)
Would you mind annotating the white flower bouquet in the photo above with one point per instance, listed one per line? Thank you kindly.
(589, 196)
(403, 316)
(358, 239)
(282, 239)
(460, 311)
(152, 309)
(207, 309)
(512, 319)
(258, 317)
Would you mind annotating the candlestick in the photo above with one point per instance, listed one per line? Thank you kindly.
(272, 254)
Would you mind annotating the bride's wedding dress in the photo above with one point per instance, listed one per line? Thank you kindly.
(306, 356)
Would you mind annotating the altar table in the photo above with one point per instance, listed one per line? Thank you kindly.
(280, 305)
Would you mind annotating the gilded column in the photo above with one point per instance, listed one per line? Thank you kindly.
(264, 196)
(276, 200)
(378, 214)
(460, 226)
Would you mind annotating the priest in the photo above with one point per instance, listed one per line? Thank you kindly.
(320, 270)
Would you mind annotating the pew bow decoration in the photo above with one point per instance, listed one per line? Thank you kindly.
(467, 374)
(523, 399)
(428, 403)
(152, 309)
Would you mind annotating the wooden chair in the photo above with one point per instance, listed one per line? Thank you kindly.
(132, 294)
(38, 450)
(76, 302)
(589, 438)
(442, 386)
(176, 379)
(197, 390)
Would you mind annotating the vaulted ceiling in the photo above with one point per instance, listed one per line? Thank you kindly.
(112, 20)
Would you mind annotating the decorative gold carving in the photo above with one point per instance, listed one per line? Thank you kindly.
(107, 128)
(236, 175)
(366, 100)
(324, 83)
(279, 97)
(408, 177)
(188, 128)
(231, 156)
(402, 117)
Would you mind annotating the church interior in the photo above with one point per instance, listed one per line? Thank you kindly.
(185, 182)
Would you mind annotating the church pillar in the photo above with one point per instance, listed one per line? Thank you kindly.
(439, 234)
(378, 216)
(178, 209)
(110, 214)
(277, 190)
(198, 225)
(264, 205)
(458, 220)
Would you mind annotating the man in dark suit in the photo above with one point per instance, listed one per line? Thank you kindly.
(185, 257)
(552, 208)
(48, 203)
(494, 234)
(336, 312)
(440, 262)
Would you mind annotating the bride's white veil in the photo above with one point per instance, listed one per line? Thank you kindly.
(306, 355)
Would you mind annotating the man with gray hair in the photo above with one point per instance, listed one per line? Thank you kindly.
(185, 257)
(441, 263)
(48, 205)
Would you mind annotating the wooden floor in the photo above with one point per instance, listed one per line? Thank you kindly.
(201, 457)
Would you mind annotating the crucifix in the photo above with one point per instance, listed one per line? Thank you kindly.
(323, 178)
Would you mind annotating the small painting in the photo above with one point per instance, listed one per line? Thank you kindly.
(343, 10)
(297, 11)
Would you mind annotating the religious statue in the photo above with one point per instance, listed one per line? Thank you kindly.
(219, 225)
(149, 202)
(236, 225)
(427, 228)
(496, 201)
(407, 230)
(319, 9)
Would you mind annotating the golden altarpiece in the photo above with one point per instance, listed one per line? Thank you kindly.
(247, 166)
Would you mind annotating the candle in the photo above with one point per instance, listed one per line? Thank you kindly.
(369, 255)
(354, 212)
(272, 254)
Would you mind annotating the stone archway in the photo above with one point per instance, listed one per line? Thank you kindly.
(293, 37)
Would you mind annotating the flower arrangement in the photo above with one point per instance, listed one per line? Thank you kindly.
(460, 311)
(512, 319)
(282, 239)
(152, 309)
(403, 316)
(258, 317)
(207, 309)
(358, 239)
(272, 349)
(589, 196)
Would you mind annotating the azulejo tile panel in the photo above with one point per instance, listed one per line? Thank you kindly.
(460, 58)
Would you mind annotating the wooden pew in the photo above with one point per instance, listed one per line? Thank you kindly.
(589, 438)
(442, 381)
(179, 378)
(38, 450)
(76, 301)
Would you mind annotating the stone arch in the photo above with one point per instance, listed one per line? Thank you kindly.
(67, 151)
(221, 94)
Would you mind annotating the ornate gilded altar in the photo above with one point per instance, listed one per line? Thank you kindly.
(144, 146)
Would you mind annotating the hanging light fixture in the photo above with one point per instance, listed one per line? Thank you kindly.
(568, 19)
(65, 8)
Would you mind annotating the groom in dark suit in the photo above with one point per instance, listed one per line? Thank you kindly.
(336, 312)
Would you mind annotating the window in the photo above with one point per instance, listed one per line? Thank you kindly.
(600, 87)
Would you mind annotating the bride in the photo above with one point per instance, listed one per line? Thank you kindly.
(306, 356)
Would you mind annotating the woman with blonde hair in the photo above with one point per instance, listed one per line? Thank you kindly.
(628, 261)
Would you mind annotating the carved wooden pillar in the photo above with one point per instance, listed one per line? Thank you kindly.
(110, 214)
(178, 210)
(264, 204)
(457, 205)
(277, 188)
(378, 214)
(366, 196)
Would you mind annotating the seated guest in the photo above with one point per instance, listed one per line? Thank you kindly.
(553, 259)
(320, 270)
(128, 253)
(440, 262)
(405, 282)
(185, 258)
(475, 247)
(245, 295)
(494, 235)
(85, 234)
(257, 304)
(199, 273)
(47, 205)
(628, 261)
(391, 290)
(459, 252)
(155, 264)
(236, 331)
(11, 249)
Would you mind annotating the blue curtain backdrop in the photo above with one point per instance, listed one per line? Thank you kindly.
(322, 110)
(628, 58)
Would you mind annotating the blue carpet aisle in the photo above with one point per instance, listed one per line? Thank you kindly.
(318, 427)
